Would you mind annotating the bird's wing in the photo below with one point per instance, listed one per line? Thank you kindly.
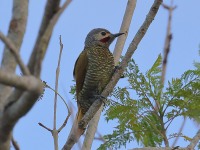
(80, 69)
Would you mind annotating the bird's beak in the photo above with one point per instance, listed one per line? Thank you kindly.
(118, 34)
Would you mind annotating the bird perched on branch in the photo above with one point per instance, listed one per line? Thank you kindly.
(92, 71)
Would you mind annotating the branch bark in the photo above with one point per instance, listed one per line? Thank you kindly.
(194, 141)
(29, 83)
(159, 148)
(13, 113)
(131, 49)
(26, 89)
(15, 52)
(168, 39)
(40, 48)
(15, 34)
(51, 8)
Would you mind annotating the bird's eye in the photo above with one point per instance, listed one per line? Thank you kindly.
(103, 33)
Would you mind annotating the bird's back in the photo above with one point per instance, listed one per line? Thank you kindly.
(99, 71)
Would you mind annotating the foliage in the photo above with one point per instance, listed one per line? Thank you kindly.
(146, 118)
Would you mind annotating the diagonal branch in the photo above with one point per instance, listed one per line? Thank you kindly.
(40, 48)
(15, 52)
(194, 141)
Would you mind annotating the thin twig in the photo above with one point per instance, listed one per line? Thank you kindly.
(15, 52)
(168, 39)
(15, 144)
(55, 136)
(55, 132)
(179, 132)
(45, 127)
(46, 85)
(64, 123)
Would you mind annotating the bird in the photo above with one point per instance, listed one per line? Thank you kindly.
(93, 70)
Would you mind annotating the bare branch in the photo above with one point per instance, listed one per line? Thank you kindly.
(52, 6)
(40, 48)
(55, 136)
(124, 29)
(46, 85)
(45, 127)
(15, 144)
(91, 129)
(168, 39)
(29, 83)
(64, 123)
(13, 113)
(15, 52)
(158, 148)
(194, 141)
(15, 34)
(55, 132)
(179, 132)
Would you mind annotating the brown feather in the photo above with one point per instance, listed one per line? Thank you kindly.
(80, 69)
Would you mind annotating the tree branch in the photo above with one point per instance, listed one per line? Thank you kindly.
(194, 141)
(15, 34)
(40, 48)
(124, 29)
(29, 83)
(158, 148)
(168, 39)
(56, 131)
(15, 52)
(55, 136)
(52, 6)
(13, 113)
(15, 144)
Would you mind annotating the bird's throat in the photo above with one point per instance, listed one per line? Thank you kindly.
(106, 39)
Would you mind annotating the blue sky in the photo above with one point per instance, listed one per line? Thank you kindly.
(77, 20)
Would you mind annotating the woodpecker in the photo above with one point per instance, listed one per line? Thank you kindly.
(92, 71)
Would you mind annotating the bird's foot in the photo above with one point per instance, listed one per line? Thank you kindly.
(118, 68)
(102, 98)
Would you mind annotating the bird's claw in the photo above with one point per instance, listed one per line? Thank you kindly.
(118, 68)
(102, 98)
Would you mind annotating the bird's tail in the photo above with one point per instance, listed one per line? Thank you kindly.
(76, 132)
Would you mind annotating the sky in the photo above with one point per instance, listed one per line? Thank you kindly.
(76, 21)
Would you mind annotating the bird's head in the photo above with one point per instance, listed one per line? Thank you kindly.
(101, 37)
